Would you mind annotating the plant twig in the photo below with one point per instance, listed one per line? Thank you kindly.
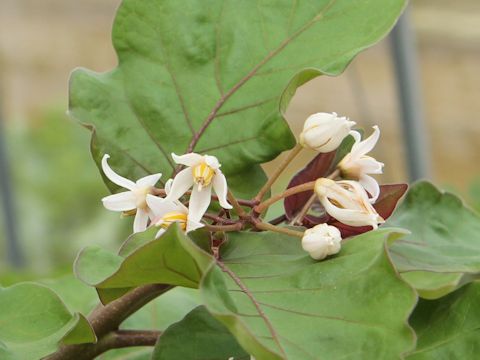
(107, 318)
(230, 227)
(233, 200)
(279, 229)
(289, 192)
(243, 202)
(278, 220)
(291, 155)
(218, 219)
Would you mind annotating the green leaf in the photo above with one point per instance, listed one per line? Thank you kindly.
(448, 328)
(34, 322)
(279, 303)
(199, 336)
(443, 250)
(236, 63)
(171, 259)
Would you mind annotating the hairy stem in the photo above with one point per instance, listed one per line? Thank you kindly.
(105, 319)
(291, 155)
(289, 192)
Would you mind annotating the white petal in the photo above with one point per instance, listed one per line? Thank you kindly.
(168, 186)
(120, 202)
(371, 185)
(356, 136)
(160, 206)
(212, 161)
(369, 165)
(368, 144)
(141, 221)
(181, 183)
(159, 233)
(199, 202)
(114, 177)
(193, 225)
(220, 186)
(190, 159)
(149, 180)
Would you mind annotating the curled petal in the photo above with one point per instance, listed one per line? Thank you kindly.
(369, 165)
(114, 177)
(182, 182)
(190, 159)
(123, 201)
(199, 202)
(212, 161)
(168, 186)
(371, 185)
(368, 144)
(141, 221)
(220, 187)
(352, 217)
(149, 180)
(193, 225)
(356, 136)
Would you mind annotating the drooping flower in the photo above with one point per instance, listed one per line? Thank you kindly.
(347, 201)
(168, 212)
(202, 174)
(325, 132)
(356, 164)
(133, 199)
(321, 240)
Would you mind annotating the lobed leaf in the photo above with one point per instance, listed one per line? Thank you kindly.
(231, 65)
(448, 328)
(279, 303)
(443, 250)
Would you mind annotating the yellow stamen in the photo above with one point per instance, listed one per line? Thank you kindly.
(203, 175)
(172, 217)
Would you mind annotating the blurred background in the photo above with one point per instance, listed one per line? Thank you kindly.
(55, 188)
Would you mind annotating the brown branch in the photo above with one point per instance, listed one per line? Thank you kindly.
(278, 220)
(289, 192)
(105, 319)
(278, 229)
(231, 227)
(243, 202)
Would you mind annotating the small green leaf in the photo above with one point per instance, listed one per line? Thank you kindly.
(236, 63)
(172, 259)
(448, 328)
(34, 322)
(281, 304)
(199, 336)
(443, 250)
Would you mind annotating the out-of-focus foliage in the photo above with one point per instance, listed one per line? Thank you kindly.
(57, 192)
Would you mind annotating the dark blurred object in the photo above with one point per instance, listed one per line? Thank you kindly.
(14, 255)
(409, 94)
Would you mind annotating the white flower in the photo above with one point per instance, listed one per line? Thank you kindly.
(356, 164)
(325, 132)
(347, 201)
(321, 240)
(202, 173)
(134, 199)
(167, 212)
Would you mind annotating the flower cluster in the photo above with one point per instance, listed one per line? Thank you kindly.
(347, 195)
(202, 173)
(348, 200)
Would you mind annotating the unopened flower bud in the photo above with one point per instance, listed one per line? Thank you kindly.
(321, 241)
(325, 132)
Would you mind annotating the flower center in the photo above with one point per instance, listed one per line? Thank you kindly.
(141, 197)
(172, 217)
(203, 175)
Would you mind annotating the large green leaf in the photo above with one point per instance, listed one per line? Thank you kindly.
(279, 303)
(184, 63)
(443, 250)
(199, 336)
(34, 322)
(448, 328)
(356, 298)
(172, 259)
